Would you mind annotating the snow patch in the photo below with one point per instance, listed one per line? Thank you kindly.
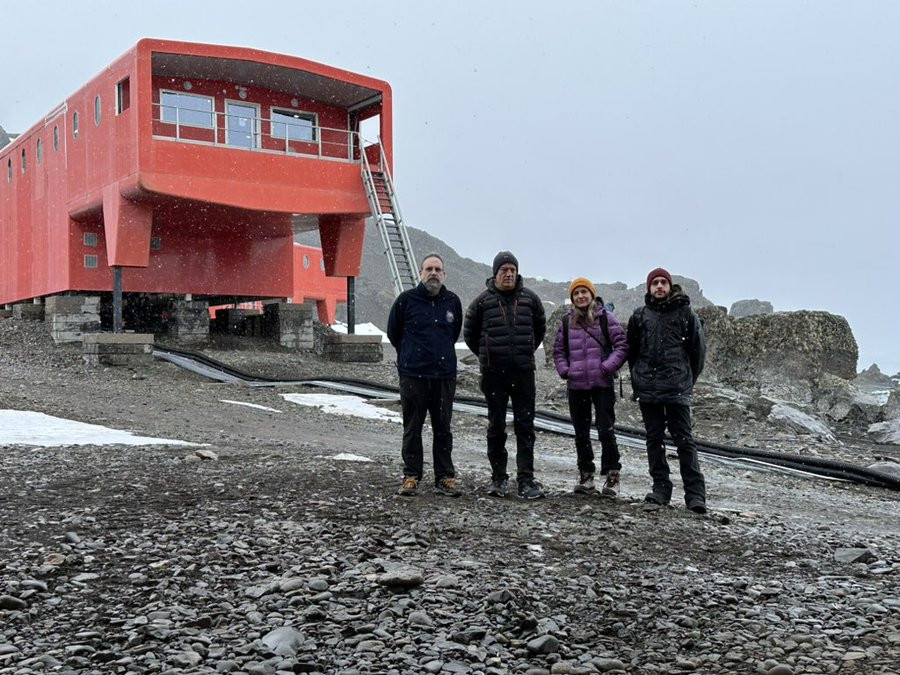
(26, 427)
(249, 405)
(349, 457)
(361, 329)
(344, 404)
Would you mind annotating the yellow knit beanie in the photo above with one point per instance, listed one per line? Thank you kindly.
(581, 281)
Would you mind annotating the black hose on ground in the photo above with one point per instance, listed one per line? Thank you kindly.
(828, 468)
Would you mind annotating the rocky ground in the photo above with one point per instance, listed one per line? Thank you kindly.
(276, 557)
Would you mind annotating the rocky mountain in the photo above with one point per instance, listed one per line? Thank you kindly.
(4, 137)
(466, 278)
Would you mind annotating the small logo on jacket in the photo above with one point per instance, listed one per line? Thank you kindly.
(449, 316)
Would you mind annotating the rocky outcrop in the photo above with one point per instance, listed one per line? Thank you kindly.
(744, 308)
(776, 351)
(4, 138)
(872, 377)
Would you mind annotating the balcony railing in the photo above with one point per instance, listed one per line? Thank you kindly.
(247, 132)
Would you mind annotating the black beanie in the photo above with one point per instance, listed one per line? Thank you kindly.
(503, 258)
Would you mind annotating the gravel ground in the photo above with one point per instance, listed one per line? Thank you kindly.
(272, 556)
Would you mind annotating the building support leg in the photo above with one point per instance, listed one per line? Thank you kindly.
(351, 305)
(117, 299)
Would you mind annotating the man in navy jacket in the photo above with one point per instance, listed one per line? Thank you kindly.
(424, 325)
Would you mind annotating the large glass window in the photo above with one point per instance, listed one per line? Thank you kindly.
(293, 125)
(188, 110)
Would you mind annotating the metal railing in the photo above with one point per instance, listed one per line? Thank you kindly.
(231, 130)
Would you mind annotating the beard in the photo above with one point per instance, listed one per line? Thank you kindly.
(432, 286)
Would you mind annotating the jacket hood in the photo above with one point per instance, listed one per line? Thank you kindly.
(676, 299)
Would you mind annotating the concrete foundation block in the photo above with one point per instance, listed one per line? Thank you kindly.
(353, 348)
(118, 349)
(291, 325)
(28, 311)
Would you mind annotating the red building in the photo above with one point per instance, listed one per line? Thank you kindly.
(186, 169)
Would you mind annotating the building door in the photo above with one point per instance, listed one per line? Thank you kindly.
(242, 125)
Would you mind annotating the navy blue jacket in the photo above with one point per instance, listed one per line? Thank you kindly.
(424, 331)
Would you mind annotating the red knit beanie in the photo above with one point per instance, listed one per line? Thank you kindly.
(658, 272)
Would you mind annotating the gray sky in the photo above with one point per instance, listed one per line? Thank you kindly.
(753, 146)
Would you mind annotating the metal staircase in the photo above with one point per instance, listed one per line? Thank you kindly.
(389, 221)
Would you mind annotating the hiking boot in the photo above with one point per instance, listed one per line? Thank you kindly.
(656, 498)
(447, 487)
(530, 489)
(611, 486)
(498, 488)
(585, 484)
(410, 487)
(697, 506)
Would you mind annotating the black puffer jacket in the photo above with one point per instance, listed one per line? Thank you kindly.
(666, 349)
(504, 329)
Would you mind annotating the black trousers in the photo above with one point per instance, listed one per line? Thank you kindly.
(677, 417)
(420, 396)
(498, 388)
(603, 401)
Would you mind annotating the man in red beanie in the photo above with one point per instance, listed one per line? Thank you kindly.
(666, 350)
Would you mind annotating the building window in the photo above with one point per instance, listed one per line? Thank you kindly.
(74, 125)
(187, 110)
(90, 239)
(306, 262)
(123, 96)
(97, 110)
(293, 125)
(56, 138)
(90, 262)
(9, 171)
(40, 151)
(155, 243)
(24, 161)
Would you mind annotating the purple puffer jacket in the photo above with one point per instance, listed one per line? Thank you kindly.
(585, 367)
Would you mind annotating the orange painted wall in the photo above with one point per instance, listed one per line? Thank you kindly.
(221, 215)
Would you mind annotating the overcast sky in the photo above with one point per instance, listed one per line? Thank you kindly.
(753, 146)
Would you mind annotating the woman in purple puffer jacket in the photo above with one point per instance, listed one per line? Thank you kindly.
(589, 349)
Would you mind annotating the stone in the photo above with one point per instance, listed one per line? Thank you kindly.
(545, 644)
(745, 308)
(854, 555)
(10, 602)
(887, 433)
(403, 577)
(284, 641)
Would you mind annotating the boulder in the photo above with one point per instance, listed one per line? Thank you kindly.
(842, 401)
(887, 433)
(891, 409)
(782, 354)
(744, 308)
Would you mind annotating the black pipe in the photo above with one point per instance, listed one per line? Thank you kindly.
(829, 468)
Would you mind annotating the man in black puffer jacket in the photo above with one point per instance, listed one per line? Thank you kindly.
(504, 325)
(423, 326)
(666, 350)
